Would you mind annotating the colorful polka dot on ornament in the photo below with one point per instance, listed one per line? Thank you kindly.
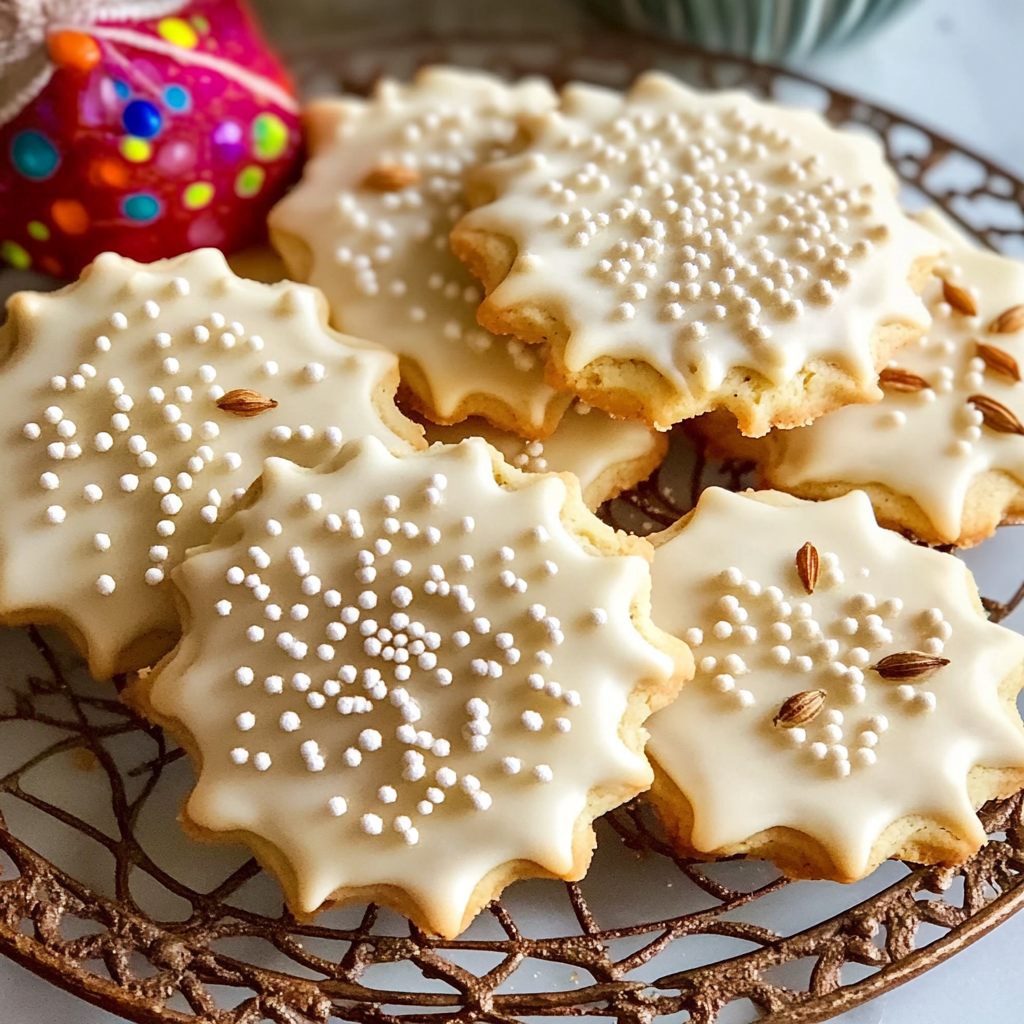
(198, 195)
(178, 33)
(75, 50)
(70, 216)
(34, 155)
(144, 121)
(141, 207)
(270, 136)
(249, 182)
(142, 118)
(136, 151)
(15, 255)
(177, 98)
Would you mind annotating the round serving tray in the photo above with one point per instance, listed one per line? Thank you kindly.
(101, 894)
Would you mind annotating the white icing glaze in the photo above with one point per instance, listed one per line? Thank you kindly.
(382, 257)
(929, 445)
(587, 442)
(879, 750)
(522, 659)
(702, 233)
(116, 456)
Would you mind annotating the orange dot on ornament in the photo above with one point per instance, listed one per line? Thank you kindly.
(51, 266)
(70, 216)
(76, 51)
(111, 173)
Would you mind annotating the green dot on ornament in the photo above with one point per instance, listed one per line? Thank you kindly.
(269, 136)
(249, 181)
(39, 231)
(197, 195)
(15, 255)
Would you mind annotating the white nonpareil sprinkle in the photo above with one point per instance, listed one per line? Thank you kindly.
(370, 740)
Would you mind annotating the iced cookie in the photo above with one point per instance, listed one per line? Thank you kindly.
(369, 225)
(138, 407)
(414, 680)
(608, 456)
(942, 455)
(851, 703)
(682, 252)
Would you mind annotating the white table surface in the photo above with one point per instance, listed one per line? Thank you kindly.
(956, 65)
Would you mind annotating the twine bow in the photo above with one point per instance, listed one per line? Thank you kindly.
(25, 26)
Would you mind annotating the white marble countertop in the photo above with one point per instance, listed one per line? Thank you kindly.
(955, 66)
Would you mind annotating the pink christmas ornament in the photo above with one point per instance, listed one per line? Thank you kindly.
(147, 127)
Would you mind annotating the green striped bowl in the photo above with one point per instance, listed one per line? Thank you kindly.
(762, 29)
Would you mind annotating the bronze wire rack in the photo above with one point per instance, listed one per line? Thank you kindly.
(102, 945)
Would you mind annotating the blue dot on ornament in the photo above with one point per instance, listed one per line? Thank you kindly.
(142, 207)
(142, 119)
(122, 89)
(177, 98)
(34, 155)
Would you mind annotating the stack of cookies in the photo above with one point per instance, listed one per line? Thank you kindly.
(348, 522)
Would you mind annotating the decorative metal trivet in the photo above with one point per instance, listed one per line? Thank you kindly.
(218, 961)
